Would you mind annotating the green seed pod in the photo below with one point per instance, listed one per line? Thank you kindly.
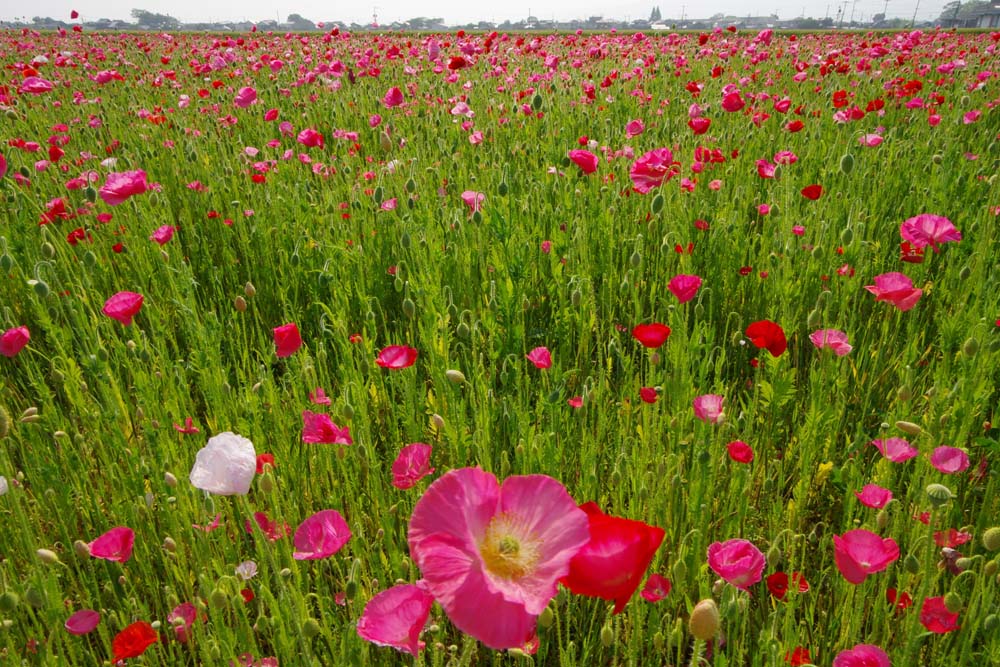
(6, 262)
(409, 308)
(218, 599)
(704, 622)
(607, 636)
(41, 288)
(991, 538)
(404, 240)
(411, 185)
(546, 618)
(911, 564)
(657, 204)
(970, 347)
(503, 189)
(847, 163)
(939, 494)
(311, 628)
(536, 102)
(477, 217)
(953, 602)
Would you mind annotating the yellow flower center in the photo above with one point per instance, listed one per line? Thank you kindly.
(507, 549)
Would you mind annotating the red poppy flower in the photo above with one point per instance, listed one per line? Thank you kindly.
(396, 357)
(812, 192)
(740, 451)
(248, 595)
(911, 254)
(778, 582)
(902, 601)
(798, 656)
(934, 616)
(768, 335)
(133, 641)
(651, 335)
(264, 459)
(951, 538)
(648, 394)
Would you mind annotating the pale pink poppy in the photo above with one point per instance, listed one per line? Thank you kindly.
(13, 340)
(492, 554)
(950, 460)
(860, 552)
(684, 287)
(862, 655)
(82, 622)
(319, 428)
(123, 306)
(396, 617)
(163, 234)
(895, 288)
(474, 200)
(926, 229)
(411, 465)
(540, 357)
(585, 160)
(396, 357)
(321, 536)
(634, 128)
(832, 339)
(118, 187)
(737, 561)
(652, 169)
(896, 450)
(245, 97)
(874, 496)
(708, 408)
(115, 545)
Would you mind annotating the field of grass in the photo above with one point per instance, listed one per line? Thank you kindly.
(422, 191)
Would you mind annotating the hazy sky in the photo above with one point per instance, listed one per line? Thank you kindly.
(460, 11)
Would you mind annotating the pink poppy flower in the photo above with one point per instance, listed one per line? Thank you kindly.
(245, 97)
(648, 394)
(708, 408)
(732, 101)
(871, 140)
(393, 97)
(765, 169)
(740, 451)
(970, 117)
(271, 115)
(123, 307)
(862, 655)
(321, 536)
(949, 460)
(115, 545)
(737, 561)
(874, 496)
(926, 229)
(34, 85)
(396, 617)
(934, 616)
(684, 287)
(859, 553)
(634, 128)
(310, 138)
(576, 402)
(832, 339)
(13, 340)
(652, 169)
(82, 622)
(896, 450)
(273, 530)
(181, 618)
(287, 339)
(585, 160)
(3, 166)
(396, 357)
(651, 335)
(319, 397)
(120, 186)
(474, 200)
(492, 554)
(540, 357)
(412, 465)
(163, 234)
(319, 428)
(657, 587)
(895, 288)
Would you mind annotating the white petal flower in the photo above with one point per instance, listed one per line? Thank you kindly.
(225, 466)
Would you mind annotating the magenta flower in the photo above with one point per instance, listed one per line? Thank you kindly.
(740, 451)
(540, 357)
(657, 587)
(13, 341)
(737, 561)
(319, 428)
(474, 200)
(34, 85)
(181, 618)
(82, 622)
(396, 617)
(396, 357)
(321, 536)
(492, 554)
(3, 166)
(870, 140)
(120, 186)
(412, 465)
(163, 234)
(896, 450)
(393, 97)
(895, 288)
(684, 287)
(287, 339)
(934, 616)
(949, 460)
(116, 545)
(319, 397)
(862, 655)
(926, 229)
(245, 97)
(859, 553)
(874, 496)
(652, 169)
(832, 339)
(585, 160)
(634, 128)
(708, 408)
(310, 138)
(123, 307)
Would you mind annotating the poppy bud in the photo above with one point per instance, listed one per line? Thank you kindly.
(249, 289)
(814, 319)
(607, 636)
(965, 273)
(774, 555)
(908, 427)
(9, 601)
(409, 308)
(847, 163)
(503, 189)
(657, 205)
(6, 262)
(411, 185)
(536, 102)
(266, 483)
(904, 393)
(169, 544)
(404, 240)
(636, 259)
(991, 538)
(677, 634)
(48, 250)
(347, 412)
(658, 641)
(41, 288)
(911, 564)
(81, 549)
(939, 494)
(882, 519)
(654, 359)
(218, 598)
(240, 304)
(970, 347)
(990, 625)
(937, 158)
(546, 618)
(4, 422)
(438, 421)
(310, 628)
(995, 345)
(34, 597)
(477, 217)
(47, 556)
(704, 622)
(953, 602)
(575, 297)
(455, 376)
(847, 236)
(91, 194)
(462, 330)
(990, 568)
(385, 143)
(285, 573)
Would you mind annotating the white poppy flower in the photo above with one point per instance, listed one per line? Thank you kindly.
(225, 466)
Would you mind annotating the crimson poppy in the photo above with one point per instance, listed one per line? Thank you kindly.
(812, 192)
(778, 583)
(133, 641)
(768, 335)
(651, 335)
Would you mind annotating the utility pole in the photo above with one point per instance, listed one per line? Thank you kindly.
(853, 6)
(915, 10)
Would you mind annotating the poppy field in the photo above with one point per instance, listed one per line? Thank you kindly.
(489, 349)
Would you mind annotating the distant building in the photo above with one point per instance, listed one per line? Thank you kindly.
(989, 17)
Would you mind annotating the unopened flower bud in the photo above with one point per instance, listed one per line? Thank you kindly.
(249, 289)
(991, 538)
(911, 564)
(266, 482)
(169, 544)
(438, 421)
(240, 304)
(310, 628)
(546, 618)
(953, 602)
(607, 636)
(218, 599)
(704, 622)
(455, 376)
(904, 393)
(47, 556)
(170, 480)
(970, 347)
(882, 519)
(9, 601)
(81, 549)
(908, 427)
(990, 568)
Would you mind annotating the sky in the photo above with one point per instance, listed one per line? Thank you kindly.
(461, 11)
